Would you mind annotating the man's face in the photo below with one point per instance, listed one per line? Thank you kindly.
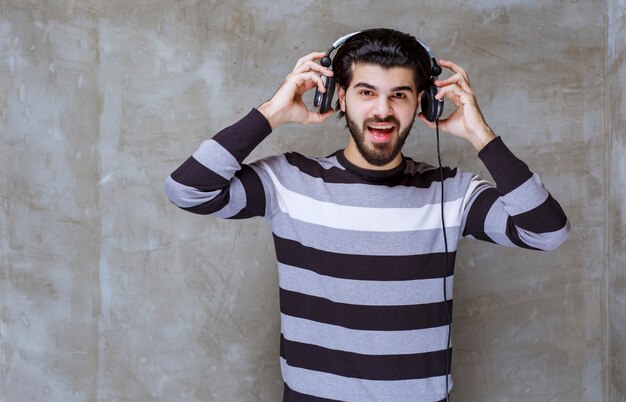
(380, 106)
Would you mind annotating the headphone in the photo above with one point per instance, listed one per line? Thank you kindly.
(431, 107)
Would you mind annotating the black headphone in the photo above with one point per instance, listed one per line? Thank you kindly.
(431, 107)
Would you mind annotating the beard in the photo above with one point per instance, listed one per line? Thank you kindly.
(378, 153)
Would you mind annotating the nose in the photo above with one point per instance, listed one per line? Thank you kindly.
(383, 107)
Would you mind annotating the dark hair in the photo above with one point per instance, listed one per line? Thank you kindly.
(383, 47)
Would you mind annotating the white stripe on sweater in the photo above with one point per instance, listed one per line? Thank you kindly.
(366, 219)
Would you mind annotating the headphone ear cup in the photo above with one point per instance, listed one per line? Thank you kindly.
(431, 107)
(324, 100)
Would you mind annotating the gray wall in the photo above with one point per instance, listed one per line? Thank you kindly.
(108, 292)
(616, 200)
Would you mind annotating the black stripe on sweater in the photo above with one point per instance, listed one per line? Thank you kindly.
(194, 174)
(255, 194)
(544, 218)
(512, 178)
(373, 318)
(290, 395)
(217, 203)
(506, 169)
(255, 197)
(368, 367)
(513, 235)
(336, 175)
(244, 135)
(363, 267)
(475, 221)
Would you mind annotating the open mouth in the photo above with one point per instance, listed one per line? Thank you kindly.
(381, 131)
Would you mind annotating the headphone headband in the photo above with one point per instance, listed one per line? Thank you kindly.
(341, 40)
(435, 68)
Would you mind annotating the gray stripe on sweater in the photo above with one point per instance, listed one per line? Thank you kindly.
(364, 243)
(217, 159)
(526, 197)
(495, 226)
(186, 196)
(363, 342)
(544, 241)
(360, 292)
(237, 200)
(358, 390)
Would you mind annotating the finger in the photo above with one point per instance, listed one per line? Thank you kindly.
(313, 66)
(455, 79)
(306, 81)
(442, 123)
(456, 68)
(309, 57)
(454, 93)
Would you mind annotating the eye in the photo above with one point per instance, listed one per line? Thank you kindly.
(399, 95)
(366, 92)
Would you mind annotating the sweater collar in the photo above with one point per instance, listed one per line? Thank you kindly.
(370, 174)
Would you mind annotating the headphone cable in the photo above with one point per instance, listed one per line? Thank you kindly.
(445, 270)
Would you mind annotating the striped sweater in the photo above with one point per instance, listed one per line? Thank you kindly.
(361, 256)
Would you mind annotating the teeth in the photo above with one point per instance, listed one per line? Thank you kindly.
(381, 127)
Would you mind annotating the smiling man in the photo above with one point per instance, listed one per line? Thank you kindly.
(365, 263)
(385, 101)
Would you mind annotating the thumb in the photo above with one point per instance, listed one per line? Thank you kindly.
(317, 117)
(425, 120)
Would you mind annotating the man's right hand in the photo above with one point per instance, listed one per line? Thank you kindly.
(287, 106)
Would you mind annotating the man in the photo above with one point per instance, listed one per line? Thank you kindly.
(364, 274)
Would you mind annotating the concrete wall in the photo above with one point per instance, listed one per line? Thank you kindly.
(108, 292)
(616, 200)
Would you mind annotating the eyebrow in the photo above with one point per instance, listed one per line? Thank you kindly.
(373, 87)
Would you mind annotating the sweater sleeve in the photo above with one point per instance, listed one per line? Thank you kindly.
(214, 179)
(518, 211)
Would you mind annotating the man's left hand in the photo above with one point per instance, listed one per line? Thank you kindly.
(466, 121)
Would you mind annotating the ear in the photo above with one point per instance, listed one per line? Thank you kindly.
(419, 101)
(341, 95)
